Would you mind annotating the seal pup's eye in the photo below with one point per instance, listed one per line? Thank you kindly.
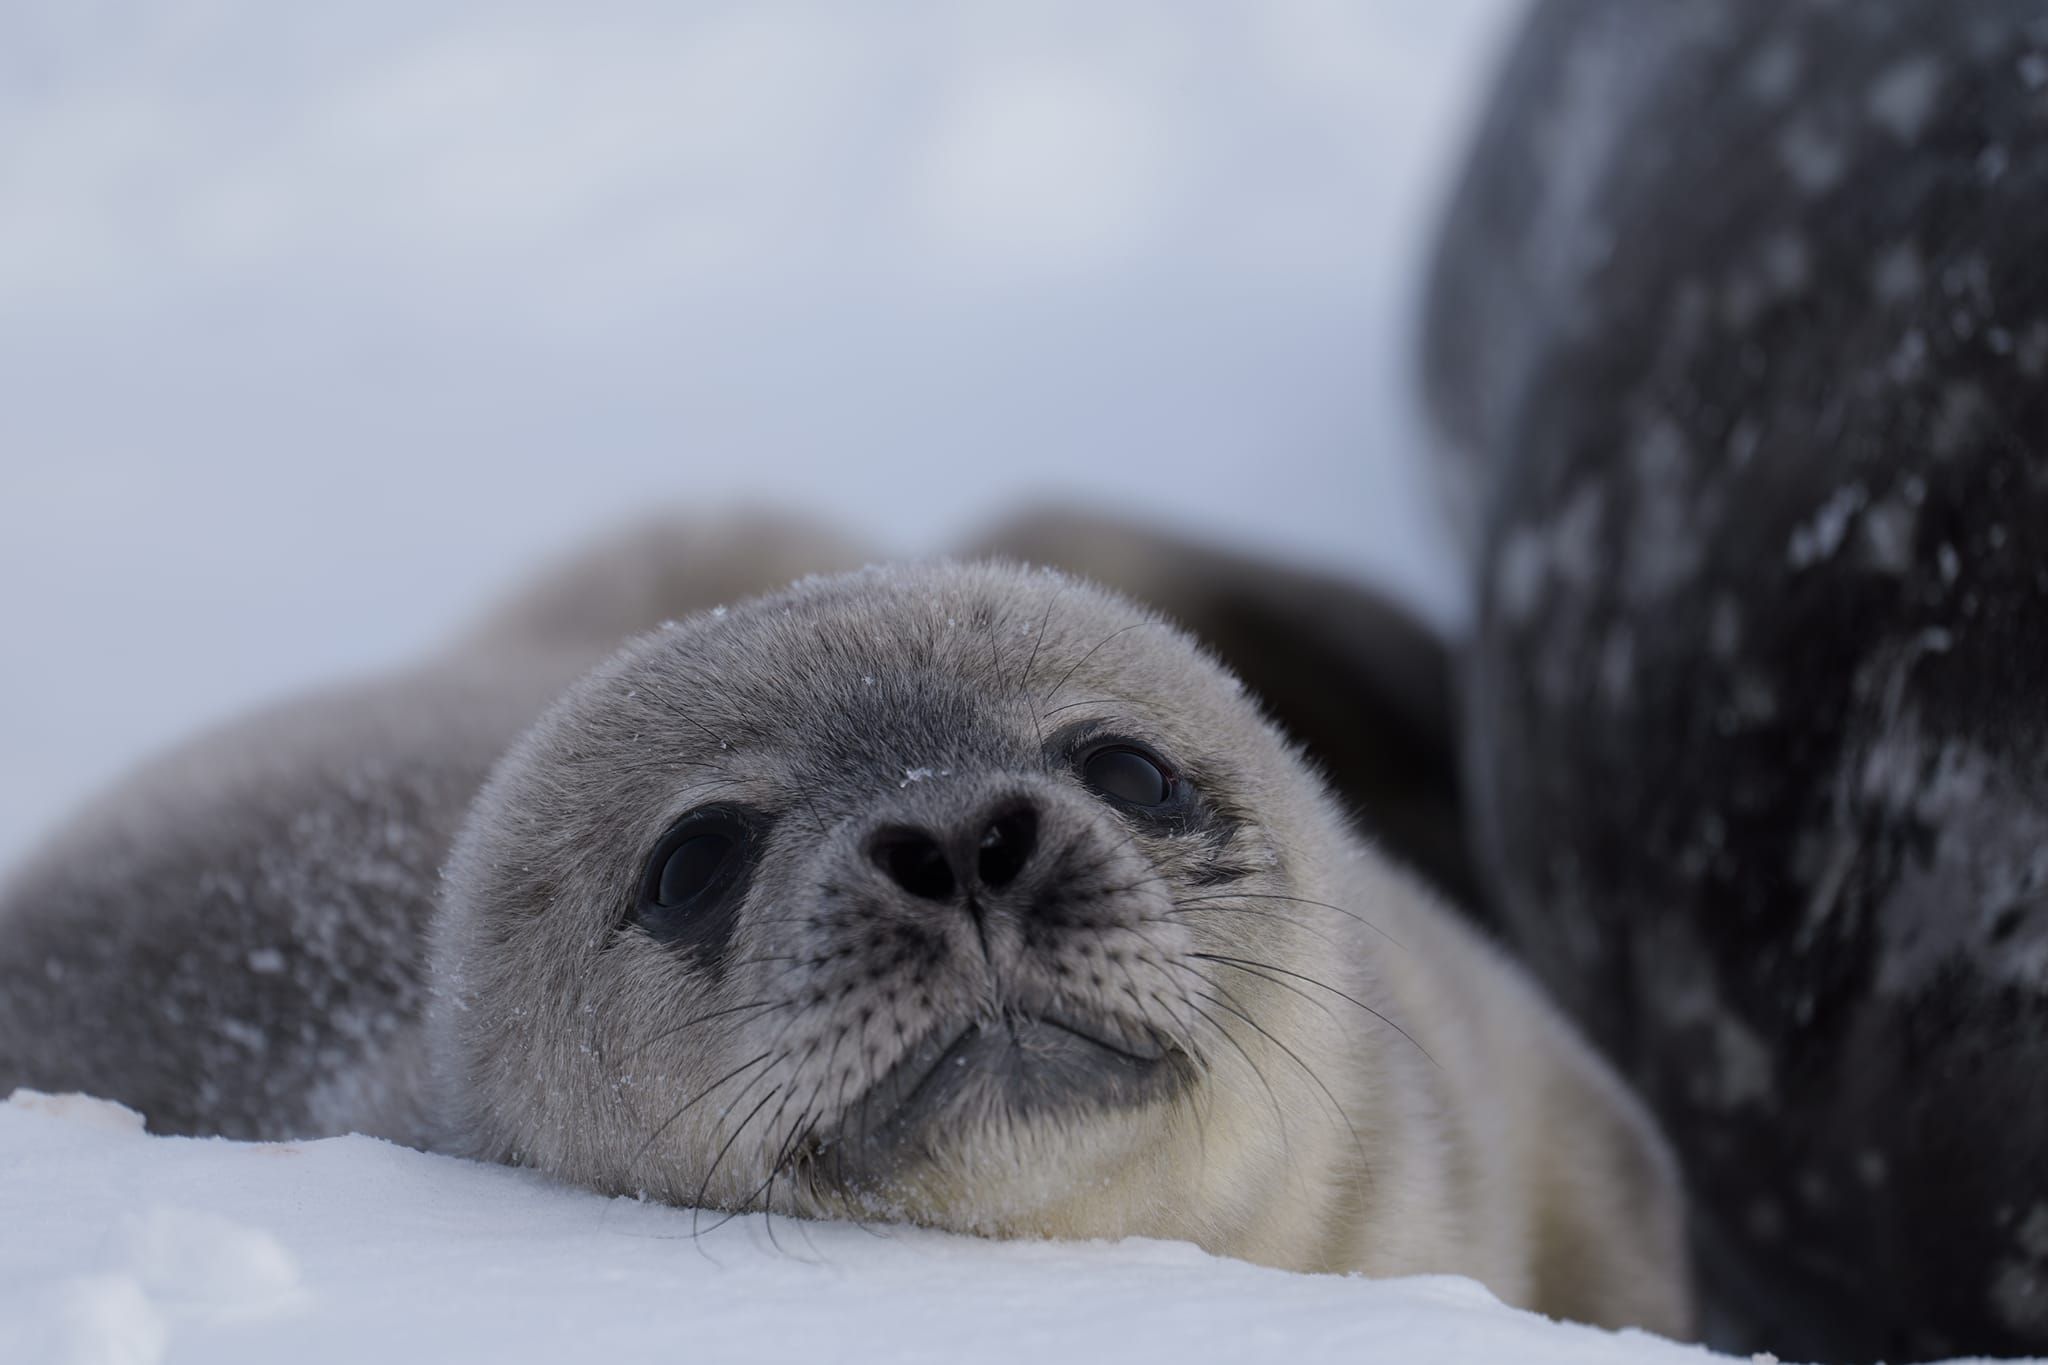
(698, 868)
(691, 867)
(1125, 773)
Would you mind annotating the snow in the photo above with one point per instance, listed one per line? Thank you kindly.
(127, 1247)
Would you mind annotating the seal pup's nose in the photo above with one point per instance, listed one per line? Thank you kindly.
(987, 851)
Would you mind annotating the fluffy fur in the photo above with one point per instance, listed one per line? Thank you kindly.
(1354, 1081)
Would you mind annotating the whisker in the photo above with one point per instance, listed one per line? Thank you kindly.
(812, 807)
(1091, 701)
(663, 1126)
(995, 657)
(1197, 1109)
(1272, 1096)
(715, 1014)
(798, 1132)
(1297, 900)
(1031, 664)
(1285, 986)
(1306, 1070)
(1244, 963)
(697, 1203)
(675, 708)
(1179, 909)
(781, 1055)
(1069, 675)
(768, 1185)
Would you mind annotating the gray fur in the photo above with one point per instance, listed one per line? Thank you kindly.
(232, 940)
(1359, 1083)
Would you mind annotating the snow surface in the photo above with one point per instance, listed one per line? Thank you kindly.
(122, 1247)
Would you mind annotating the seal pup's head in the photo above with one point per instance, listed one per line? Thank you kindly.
(903, 893)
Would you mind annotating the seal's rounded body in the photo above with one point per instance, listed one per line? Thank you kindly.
(962, 894)
(1738, 343)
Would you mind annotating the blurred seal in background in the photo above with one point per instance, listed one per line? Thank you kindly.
(1738, 346)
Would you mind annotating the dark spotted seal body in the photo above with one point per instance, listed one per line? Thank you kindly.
(1739, 344)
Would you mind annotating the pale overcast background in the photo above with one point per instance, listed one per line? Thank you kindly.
(318, 322)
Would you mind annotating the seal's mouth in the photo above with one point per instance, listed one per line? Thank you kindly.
(1027, 1067)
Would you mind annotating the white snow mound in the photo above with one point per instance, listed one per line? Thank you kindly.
(124, 1247)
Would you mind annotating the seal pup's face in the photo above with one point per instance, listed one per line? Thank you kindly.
(905, 894)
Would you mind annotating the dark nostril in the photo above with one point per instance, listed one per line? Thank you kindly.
(1006, 846)
(915, 862)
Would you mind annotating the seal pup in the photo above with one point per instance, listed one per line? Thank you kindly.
(961, 894)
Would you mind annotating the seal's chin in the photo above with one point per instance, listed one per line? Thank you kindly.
(1022, 1069)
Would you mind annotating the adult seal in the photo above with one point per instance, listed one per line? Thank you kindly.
(1738, 344)
(968, 895)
